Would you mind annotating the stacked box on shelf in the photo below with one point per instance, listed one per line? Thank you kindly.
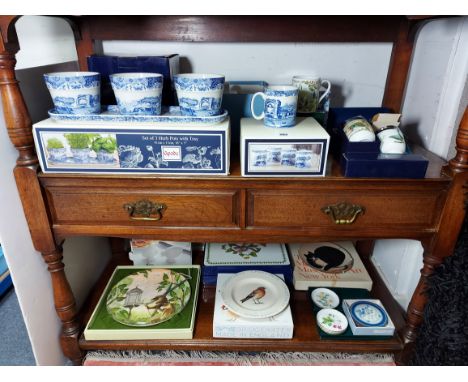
(159, 252)
(227, 324)
(133, 144)
(364, 159)
(238, 257)
(144, 303)
(300, 150)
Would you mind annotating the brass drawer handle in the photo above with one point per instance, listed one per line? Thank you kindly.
(343, 213)
(145, 210)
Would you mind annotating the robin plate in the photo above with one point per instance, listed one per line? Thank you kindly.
(255, 294)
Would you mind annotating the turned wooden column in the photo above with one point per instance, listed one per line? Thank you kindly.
(19, 128)
(443, 244)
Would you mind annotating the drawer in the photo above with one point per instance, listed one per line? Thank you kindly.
(381, 208)
(113, 206)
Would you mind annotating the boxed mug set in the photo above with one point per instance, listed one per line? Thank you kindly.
(138, 135)
(283, 145)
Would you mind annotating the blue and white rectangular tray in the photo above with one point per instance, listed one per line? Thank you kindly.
(171, 115)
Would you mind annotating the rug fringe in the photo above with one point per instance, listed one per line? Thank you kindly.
(238, 358)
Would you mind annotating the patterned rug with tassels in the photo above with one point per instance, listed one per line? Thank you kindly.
(206, 358)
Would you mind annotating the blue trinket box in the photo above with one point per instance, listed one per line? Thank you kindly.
(99, 147)
(238, 257)
(168, 66)
(368, 317)
(372, 165)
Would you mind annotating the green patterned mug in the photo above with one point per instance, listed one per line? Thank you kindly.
(309, 92)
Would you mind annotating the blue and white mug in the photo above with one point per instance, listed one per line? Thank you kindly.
(75, 92)
(138, 93)
(303, 159)
(280, 106)
(199, 95)
(288, 157)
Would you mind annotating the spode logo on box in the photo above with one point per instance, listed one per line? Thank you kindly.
(171, 153)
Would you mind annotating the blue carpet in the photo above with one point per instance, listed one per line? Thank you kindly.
(15, 347)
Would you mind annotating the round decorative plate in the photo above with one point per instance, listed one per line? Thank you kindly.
(367, 313)
(325, 298)
(148, 297)
(255, 294)
(331, 321)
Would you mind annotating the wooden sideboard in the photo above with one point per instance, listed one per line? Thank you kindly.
(234, 208)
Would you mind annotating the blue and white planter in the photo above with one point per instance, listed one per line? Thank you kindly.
(57, 155)
(138, 93)
(199, 94)
(75, 92)
(81, 155)
(103, 156)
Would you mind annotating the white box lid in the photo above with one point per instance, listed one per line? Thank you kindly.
(242, 254)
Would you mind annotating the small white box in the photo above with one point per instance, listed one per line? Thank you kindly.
(387, 330)
(227, 324)
(158, 252)
(296, 151)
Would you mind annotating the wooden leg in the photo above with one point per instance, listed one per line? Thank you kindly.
(65, 306)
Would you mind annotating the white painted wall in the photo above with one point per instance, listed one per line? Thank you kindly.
(439, 74)
(357, 71)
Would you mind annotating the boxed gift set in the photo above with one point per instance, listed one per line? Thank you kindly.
(369, 144)
(158, 252)
(237, 257)
(328, 264)
(332, 307)
(368, 317)
(227, 323)
(144, 303)
(115, 146)
(300, 150)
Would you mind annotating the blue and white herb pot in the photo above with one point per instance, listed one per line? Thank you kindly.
(199, 94)
(138, 93)
(75, 92)
(280, 106)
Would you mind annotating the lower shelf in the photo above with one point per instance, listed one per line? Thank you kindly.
(306, 337)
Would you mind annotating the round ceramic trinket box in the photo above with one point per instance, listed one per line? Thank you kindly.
(325, 298)
(332, 321)
(366, 313)
(358, 129)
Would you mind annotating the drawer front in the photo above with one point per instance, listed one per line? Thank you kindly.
(182, 208)
(296, 209)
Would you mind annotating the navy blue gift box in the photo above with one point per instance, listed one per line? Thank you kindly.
(106, 65)
(337, 117)
(363, 159)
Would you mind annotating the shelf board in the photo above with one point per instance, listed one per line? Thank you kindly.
(306, 337)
